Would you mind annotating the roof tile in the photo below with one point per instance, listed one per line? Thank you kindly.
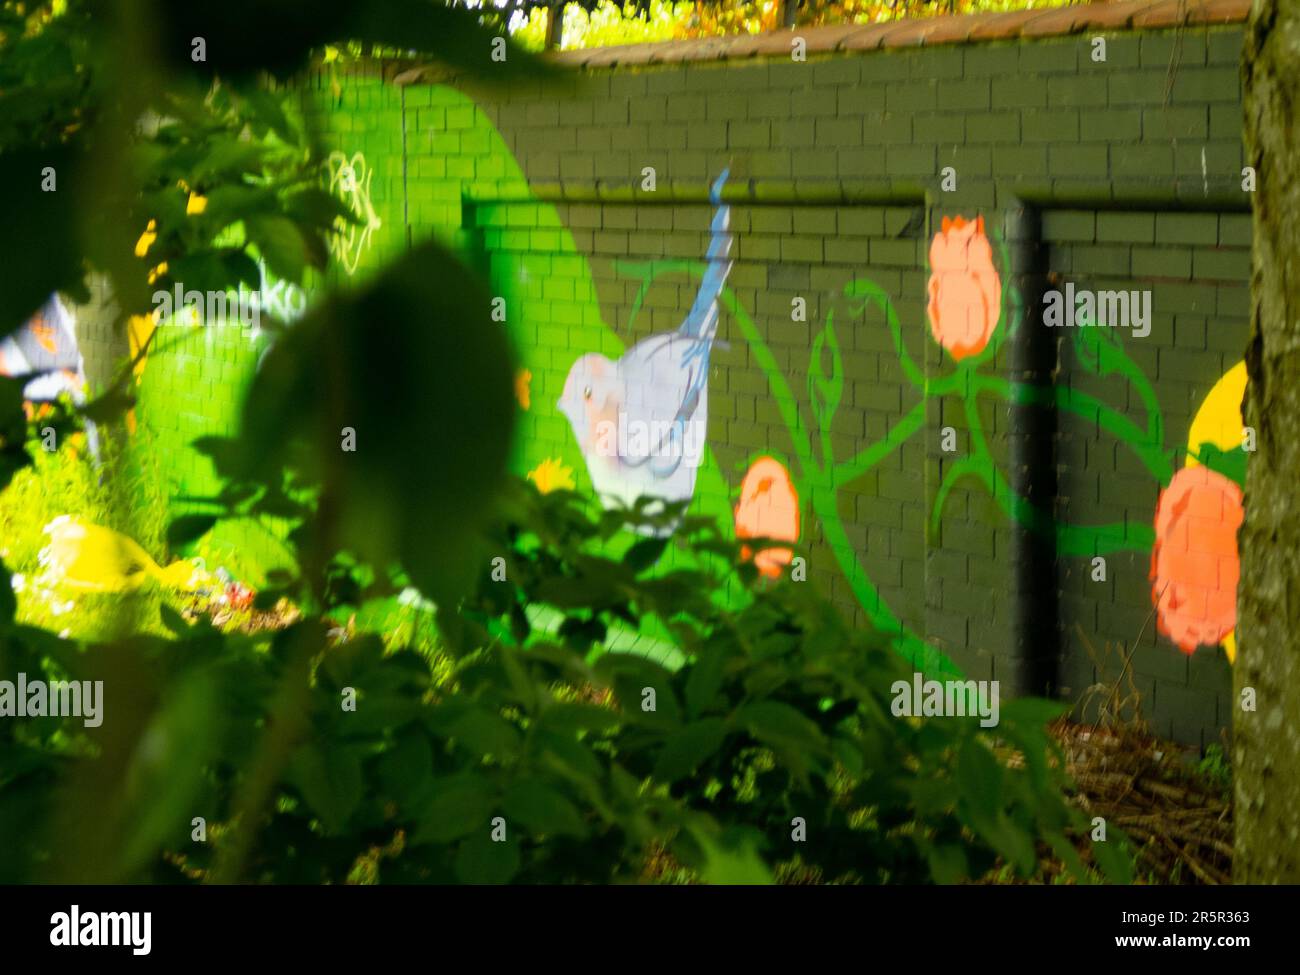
(923, 31)
(995, 27)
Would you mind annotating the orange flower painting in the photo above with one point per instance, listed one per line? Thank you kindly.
(768, 508)
(965, 290)
(523, 388)
(1195, 564)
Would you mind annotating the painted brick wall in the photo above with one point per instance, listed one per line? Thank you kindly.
(1119, 174)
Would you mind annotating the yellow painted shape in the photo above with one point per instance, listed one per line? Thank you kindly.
(1219, 421)
(91, 558)
(551, 475)
(138, 330)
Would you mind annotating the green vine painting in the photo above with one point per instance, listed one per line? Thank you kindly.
(971, 316)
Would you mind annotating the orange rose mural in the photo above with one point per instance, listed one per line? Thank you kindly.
(1194, 563)
(1197, 519)
(965, 290)
(768, 508)
(523, 388)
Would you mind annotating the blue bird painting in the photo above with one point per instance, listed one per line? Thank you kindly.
(44, 350)
(641, 421)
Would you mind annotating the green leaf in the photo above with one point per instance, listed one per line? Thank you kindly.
(38, 249)
(948, 863)
(571, 717)
(486, 733)
(481, 860)
(1010, 839)
(267, 109)
(229, 204)
(630, 674)
(825, 391)
(779, 724)
(1114, 859)
(108, 407)
(429, 456)
(318, 208)
(979, 777)
(228, 157)
(329, 778)
(1230, 463)
(211, 269)
(644, 553)
(688, 748)
(542, 809)
(705, 677)
(222, 451)
(173, 620)
(406, 769)
(460, 805)
(1035, 712)
(281, 245)
(731, 860)
(168, 768)
(188, 528)
(1066, 851)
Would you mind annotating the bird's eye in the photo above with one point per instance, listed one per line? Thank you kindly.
(586, 393)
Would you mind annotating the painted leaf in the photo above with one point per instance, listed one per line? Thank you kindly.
(825, 391)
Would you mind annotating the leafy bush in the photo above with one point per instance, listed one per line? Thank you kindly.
(781, 713)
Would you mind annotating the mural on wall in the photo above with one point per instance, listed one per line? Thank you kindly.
(1192, 538)
(768, 508)
(965, 290)
(642, 421)
(349, 179)
(1195, 565)
(45, 348)
(967, 304)
(797, 488)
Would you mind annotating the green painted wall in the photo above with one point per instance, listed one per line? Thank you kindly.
(1118, 175)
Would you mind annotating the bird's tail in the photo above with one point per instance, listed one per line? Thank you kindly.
(702, 322)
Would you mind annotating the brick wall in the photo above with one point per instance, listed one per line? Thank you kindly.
(1117, 174)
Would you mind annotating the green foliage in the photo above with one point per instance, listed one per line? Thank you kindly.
(780, 712)
(1215, 768)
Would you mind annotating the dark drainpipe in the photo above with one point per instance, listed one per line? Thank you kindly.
(1032, 434)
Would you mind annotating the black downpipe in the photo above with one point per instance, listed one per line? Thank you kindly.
(1032, 432)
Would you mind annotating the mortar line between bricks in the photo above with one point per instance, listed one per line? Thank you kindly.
(910, 197)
